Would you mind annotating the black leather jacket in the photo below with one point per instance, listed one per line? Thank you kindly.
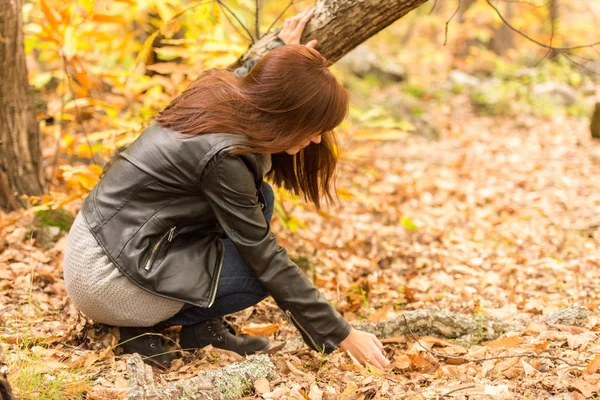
(160, 213)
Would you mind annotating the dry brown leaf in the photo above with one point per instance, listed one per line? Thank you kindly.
(394, 340)
(315, 392)
(593, 366)
(76, 388)
(85, 361)
(176, 364)
(401, 362)
(262, 386)
(569, 328)
(510, 368)
(529, 369)
(295, 370)
(505, 343)
(420, 363)
(261, 329)
(381, 314)
(588, 388)
(534, 328)
(581, 340)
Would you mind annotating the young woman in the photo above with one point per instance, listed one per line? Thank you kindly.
(177, 230)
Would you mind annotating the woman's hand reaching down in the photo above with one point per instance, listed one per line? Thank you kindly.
(292, 29)
(365, 347)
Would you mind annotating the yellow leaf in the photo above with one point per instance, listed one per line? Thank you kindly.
(96, 169)
(83, 151)
(50, 15)
(345, 194)
(109, 18)
(146, 48)
(69, 46)
(164, 11)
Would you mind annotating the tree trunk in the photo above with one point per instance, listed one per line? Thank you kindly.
(341, 25)
(20, 154)
(503, 38)
(595, 122)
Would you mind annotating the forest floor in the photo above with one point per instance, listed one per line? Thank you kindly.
(499, 217)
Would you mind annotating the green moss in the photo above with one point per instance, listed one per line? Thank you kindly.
(56, 217)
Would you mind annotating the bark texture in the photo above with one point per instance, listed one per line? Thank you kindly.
(341, 25)
(465, 330)
(222, 384)
(230, 382)
(595, 122)
(20, 154)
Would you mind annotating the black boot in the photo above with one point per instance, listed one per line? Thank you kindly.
(221, 335)
(149, 345)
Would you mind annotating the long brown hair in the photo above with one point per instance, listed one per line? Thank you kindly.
(287, 97)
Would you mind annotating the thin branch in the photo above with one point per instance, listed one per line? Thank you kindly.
(280, 15)
(433, 7)
(525, 2)
(457, 390)
(448, 22)
(222, 4)
(476, 360)
(581, 65)
(551, 35)
(561, 49)
(257, 20)
(83, 128)
(60, 125)
(180, 13)
(239, 32)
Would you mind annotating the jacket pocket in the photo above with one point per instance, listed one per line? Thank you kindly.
(166, 237)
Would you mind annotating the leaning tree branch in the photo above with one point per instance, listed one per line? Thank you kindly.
(340, 26)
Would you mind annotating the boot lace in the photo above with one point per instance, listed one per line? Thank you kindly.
(217, 327)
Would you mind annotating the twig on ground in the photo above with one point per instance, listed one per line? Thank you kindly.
(457, 390)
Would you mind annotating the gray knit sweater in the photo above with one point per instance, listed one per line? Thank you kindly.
(102, 292)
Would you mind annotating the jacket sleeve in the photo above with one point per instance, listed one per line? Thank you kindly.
(247, 66)
(230, 188)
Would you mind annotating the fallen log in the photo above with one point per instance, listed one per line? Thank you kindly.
(465, 330)
(227, 383)
(230, 382)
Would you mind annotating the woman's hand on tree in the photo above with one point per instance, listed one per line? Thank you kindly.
(365, 347)
(292, 29)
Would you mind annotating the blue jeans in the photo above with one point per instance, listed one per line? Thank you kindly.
(238, 287)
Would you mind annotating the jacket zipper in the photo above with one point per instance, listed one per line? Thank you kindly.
(167, 235)
(289, 314)
(213, 294)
